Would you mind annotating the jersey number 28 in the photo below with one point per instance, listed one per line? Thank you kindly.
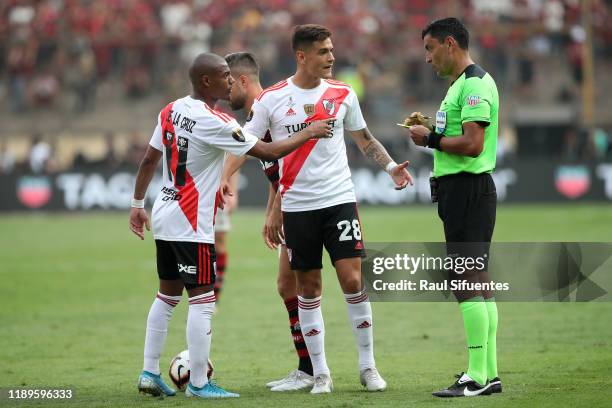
(346, 227)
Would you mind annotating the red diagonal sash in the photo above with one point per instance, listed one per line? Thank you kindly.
(189, 195)
(327, 107)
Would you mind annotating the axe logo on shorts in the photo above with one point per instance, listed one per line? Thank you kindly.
(189, 269)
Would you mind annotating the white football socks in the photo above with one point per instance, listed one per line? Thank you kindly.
(313, 331)
(199, 336)
(360, 316)
(157, 329)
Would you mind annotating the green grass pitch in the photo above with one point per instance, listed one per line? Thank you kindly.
(76, 290)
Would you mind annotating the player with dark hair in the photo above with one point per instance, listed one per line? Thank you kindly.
(245, 70)
(192, 138)
(318, 197)
(243, 63)
(464, 140)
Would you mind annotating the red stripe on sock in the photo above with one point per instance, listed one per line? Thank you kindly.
(291, 304)
(207, 299)
(202, 303)
(308, 302)
(354, 302)
(167, 301)
(361, 298)
(203, 298)
(309, 306)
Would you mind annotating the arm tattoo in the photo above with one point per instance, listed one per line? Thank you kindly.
(375, 151)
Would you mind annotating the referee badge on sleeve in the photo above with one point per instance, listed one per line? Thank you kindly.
(473, 100)
(440, 122)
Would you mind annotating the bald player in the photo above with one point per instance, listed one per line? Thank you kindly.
(192, 138)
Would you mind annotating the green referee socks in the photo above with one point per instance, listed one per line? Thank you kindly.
(476, 322)
(492, 343)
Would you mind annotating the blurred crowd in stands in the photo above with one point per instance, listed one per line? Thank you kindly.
(74, 55)
(52, 47)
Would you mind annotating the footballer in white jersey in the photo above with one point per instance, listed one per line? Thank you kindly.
(246, 89)
(316, 175)
(318, 198)
(192, 138)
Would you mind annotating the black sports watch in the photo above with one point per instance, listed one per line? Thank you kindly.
(433, 140)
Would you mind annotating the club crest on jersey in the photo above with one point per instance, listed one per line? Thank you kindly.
(329, 105)
(182, 143)
(169, 136)
(473, 100)
(309, 109)
(250, 116)
(237, 135)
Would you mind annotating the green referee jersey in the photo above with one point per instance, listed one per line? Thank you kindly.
(471, 98)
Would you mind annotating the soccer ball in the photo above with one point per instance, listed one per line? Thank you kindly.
(179, 370)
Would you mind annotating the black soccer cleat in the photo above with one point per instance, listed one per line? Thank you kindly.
(495, 385)
(463, 387)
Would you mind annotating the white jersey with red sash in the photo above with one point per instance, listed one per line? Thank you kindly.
(317, 174)
(193, 138)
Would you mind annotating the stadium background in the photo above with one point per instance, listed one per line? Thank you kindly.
(81, 83)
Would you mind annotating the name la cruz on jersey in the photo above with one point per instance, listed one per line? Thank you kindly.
(183, 122)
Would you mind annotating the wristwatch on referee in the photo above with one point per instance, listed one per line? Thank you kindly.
(432, 140)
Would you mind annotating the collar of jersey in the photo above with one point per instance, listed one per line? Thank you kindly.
(290, 82)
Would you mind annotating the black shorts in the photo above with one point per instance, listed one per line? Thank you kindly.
(192, 262)
(467, 205)
(337, 228)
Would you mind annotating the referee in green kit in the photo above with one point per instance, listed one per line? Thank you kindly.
(464, 139)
